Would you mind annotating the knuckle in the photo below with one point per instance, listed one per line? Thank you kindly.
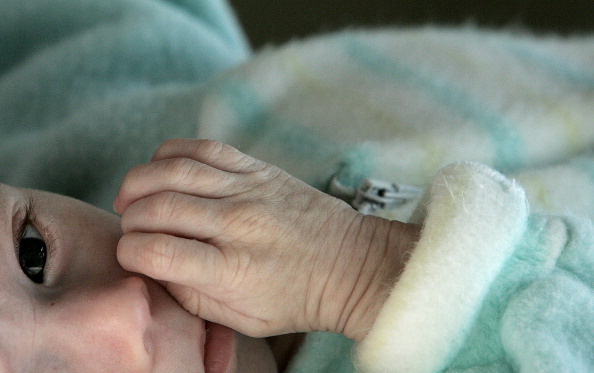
(152, 255)
(268, 173)
(181, 171)
(210, 147)
(235, 208)
(214, 149)
(247, 163)
(244, 217)
(159, 255)
(162, 207)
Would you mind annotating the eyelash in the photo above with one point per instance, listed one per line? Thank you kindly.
(26, 220)
(30, 218)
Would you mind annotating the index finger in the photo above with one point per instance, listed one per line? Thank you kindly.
(171, 259)
(211, 152)
(182, 175)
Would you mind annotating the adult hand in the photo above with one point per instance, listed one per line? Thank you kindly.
(242, 243)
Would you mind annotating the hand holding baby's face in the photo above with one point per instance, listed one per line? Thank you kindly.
(242, 243)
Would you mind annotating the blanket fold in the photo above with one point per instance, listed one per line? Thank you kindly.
(88, 89)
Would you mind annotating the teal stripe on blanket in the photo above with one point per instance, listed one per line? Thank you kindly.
(358, 164)
(482, 341)
(256, 123)
(298, 141)
(251, 114)
(508, 144)
(536, 56)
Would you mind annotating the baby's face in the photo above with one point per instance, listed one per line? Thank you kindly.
(66, 304)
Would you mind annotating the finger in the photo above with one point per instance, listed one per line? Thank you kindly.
(209, 307)
(172, 259)
(175, 214)
(181, 175)
(214, 153)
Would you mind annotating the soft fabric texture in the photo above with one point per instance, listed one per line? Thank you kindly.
(475, 219)
(398, 105)
(90, 88)
(488, 288)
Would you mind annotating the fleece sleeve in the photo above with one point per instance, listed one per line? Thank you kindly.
(489, 288)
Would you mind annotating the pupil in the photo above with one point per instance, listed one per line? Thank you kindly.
(32, 255)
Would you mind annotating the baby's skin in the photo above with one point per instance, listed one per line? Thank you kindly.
(242, 243)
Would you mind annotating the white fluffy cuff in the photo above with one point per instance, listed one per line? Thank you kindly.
(472, 221)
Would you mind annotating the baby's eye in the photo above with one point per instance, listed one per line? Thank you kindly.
(32, 254)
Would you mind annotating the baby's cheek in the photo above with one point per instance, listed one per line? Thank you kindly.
(101, 329)
(96, 356)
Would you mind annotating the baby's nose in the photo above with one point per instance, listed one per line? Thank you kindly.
(108, 328)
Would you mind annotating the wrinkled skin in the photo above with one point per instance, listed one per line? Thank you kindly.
(242, 243)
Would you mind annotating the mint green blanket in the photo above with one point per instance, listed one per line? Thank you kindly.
(90, 88)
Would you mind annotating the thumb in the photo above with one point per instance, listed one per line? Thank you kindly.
(209, 308)
(173, 259)
(197, 303)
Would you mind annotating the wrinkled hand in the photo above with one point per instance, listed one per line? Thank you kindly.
(242, 243)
